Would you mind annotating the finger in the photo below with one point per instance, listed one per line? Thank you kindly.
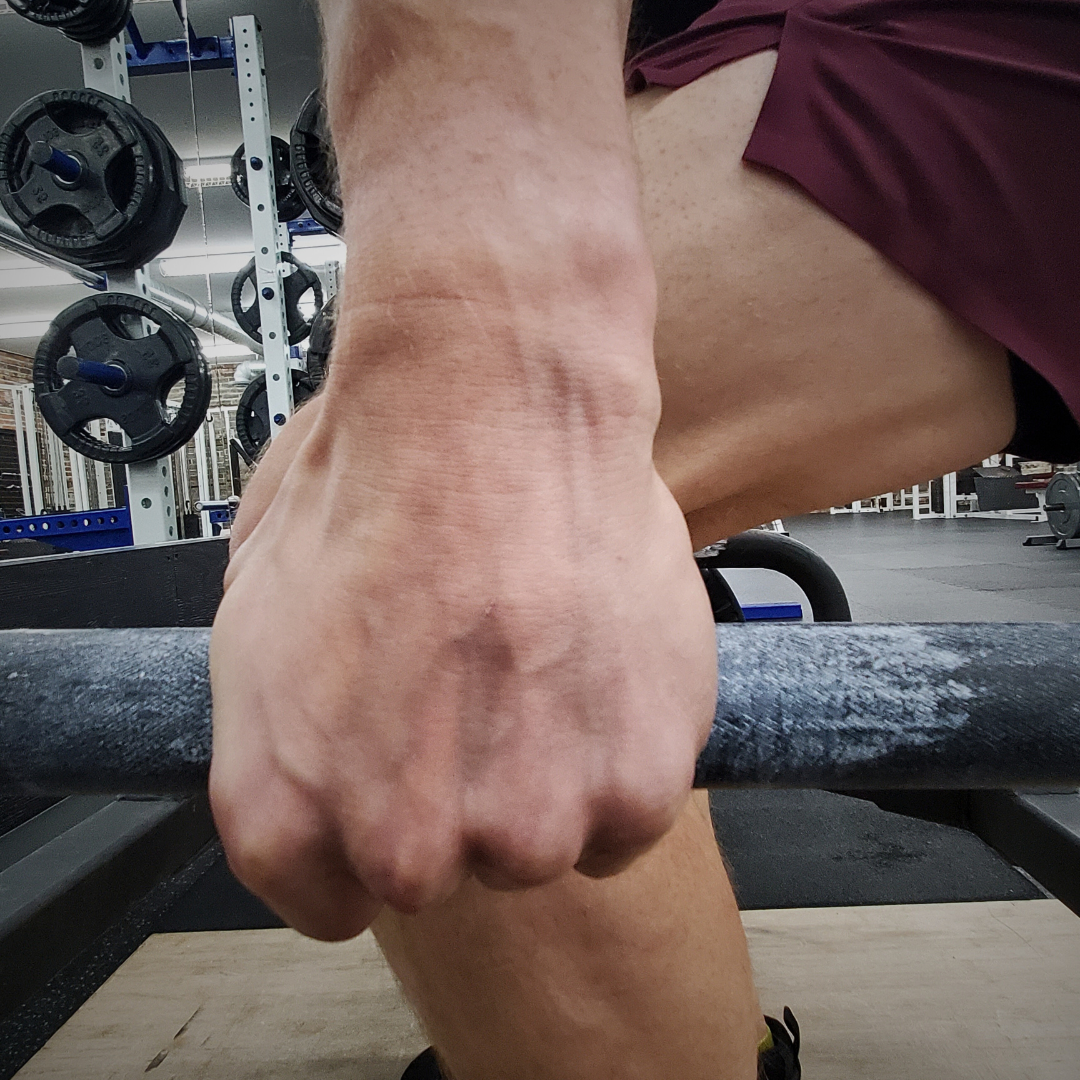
(520, 848)
(280, 845)
(407, 852)
(286, 857)
(634, 814)
(610, 852)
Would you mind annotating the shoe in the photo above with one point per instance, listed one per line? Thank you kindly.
(424, 1067)
(778, 1056)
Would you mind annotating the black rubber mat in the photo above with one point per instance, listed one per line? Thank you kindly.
(789, 849)
(17, 809)
(217, 901)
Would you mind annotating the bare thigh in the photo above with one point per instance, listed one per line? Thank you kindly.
(799, 368)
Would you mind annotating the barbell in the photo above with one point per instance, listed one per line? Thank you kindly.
(822, 705)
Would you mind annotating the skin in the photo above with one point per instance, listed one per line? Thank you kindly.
(485, 527)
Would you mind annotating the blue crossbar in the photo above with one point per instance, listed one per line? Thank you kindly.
(165, 57)
(89, 531)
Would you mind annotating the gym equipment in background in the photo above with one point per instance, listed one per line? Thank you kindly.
(314, 170)
(321, 341)
(118, 357)
(89, 22)
(759, 549)
(295, 285)
(253, 412)
(289, 203)
(1063, 505)
(87, 177)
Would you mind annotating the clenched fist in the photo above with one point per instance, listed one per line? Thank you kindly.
(463, 631)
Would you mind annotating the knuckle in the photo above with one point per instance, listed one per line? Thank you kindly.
(410, 871)
(525, 854)
(631, 816)
(263, 853)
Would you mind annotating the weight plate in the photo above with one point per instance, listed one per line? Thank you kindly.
(253, 412)
(114, 214)
(295, 285)
(107, 19)
(289, 203)
(111, 329)
(320, 342)
(314, 169)
(167, 212)
(1064, 491)
(56, 13)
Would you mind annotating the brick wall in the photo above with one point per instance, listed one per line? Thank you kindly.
(13, 369)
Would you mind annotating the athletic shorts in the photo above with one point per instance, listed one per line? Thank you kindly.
(946, 135)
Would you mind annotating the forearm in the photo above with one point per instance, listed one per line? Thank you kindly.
(490, 192)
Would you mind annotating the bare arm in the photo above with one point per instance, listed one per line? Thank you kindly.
(507, 659)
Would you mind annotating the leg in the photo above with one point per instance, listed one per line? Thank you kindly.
(798, 370)
(644, 976)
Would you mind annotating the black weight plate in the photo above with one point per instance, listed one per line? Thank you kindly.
(1064, 491)
(302, 280)
(153, 226)
(93, 221)
(56, 13)
(97, 16)
(109, 329)
(321, 341)
(289, 204)
(253, 412)
(110, 17)
(150, 240)
(314, 168)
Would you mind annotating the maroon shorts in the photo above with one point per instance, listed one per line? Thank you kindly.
(946, 134)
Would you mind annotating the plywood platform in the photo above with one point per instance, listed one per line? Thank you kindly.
(928, 992)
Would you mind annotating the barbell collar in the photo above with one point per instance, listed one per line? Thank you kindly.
(979, 705)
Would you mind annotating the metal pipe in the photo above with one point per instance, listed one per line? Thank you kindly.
(142, 50)
(186, 307)
(946, 705)
(54, 160)
(12, 239)
(198, 315)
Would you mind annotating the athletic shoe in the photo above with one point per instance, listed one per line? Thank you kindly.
(778, 1055)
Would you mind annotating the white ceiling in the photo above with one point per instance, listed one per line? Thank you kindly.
(200, 117)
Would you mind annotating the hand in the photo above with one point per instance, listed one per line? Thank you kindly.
(462, 632)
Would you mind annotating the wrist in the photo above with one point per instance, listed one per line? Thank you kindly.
(459, 359)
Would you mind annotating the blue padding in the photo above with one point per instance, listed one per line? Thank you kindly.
(761, 612)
